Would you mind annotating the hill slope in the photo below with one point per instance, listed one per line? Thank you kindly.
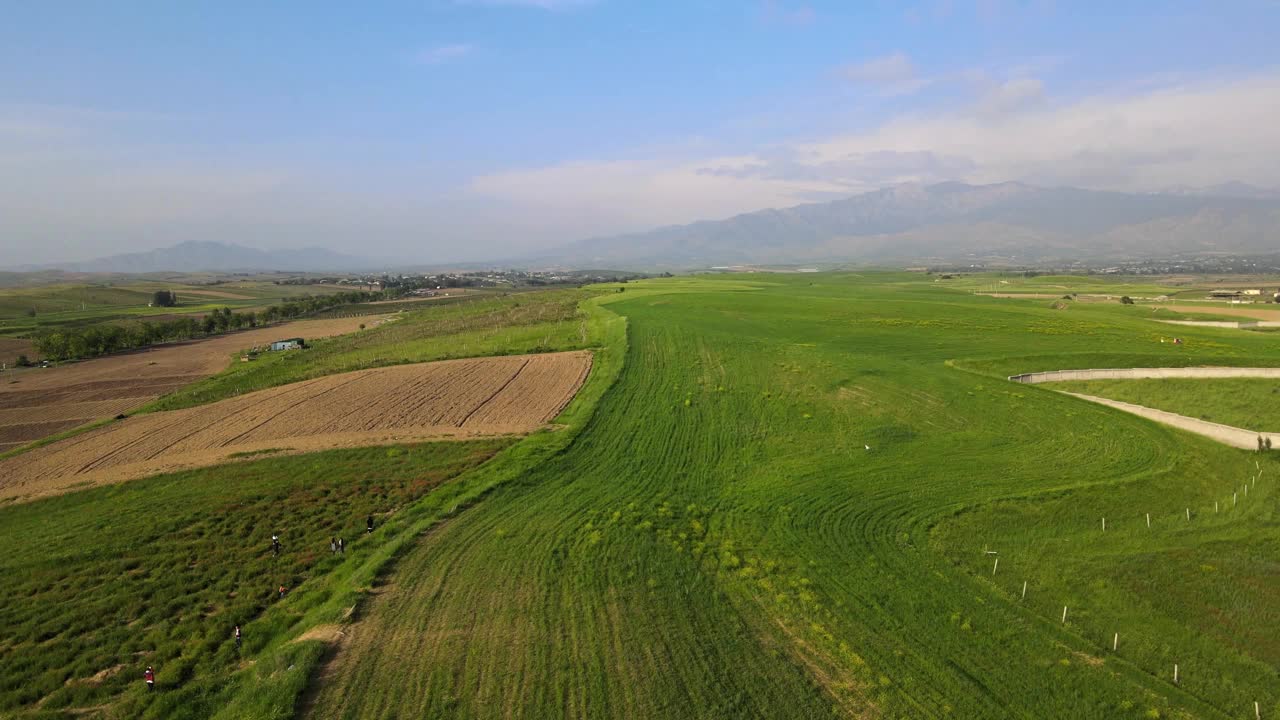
(958, 221)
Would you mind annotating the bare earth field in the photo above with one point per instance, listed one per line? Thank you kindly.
(1225, 309)
(220, 294)
(11, 348)
(39, 402)
(447, 399)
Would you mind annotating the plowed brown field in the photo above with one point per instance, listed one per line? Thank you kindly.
(11, 348)
(45, 401)
(1256, 313)
(452, 398)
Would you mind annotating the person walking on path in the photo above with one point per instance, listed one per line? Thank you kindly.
(275, 545)
(150, 676)
(342, 548)
(369, 525)
(333, 546)
(237, 638)
(282, 591)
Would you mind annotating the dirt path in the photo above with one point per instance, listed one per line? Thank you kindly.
(1226, 434)
(1233, 436)
(1239, 325)
(1147, 374)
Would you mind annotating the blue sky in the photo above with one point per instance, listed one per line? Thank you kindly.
(474, 129)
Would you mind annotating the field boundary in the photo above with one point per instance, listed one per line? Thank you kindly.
(339, 600)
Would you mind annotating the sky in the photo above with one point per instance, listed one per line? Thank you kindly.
(453, 130)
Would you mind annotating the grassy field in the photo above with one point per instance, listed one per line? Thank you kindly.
(776, 498)
(721, 543)
(1241, 402)
(26, 309)
(541, 321)
(159, 571)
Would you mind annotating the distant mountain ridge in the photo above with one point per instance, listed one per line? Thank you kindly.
(215, 256)
(956, 221)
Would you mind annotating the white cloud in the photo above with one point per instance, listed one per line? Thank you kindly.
(443, 53)
(1012, 96)
(1200, 134)
(892, 74)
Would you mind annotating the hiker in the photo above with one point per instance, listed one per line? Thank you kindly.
(333, 546)
(369, 524)
(282, 592)
(237, 638)
(342, 548)
(150, 676)
(275, 545)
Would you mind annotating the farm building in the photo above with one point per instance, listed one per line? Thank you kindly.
(290, 344)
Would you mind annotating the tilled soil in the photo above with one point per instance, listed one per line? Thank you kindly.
(105, 387)
(447, 399)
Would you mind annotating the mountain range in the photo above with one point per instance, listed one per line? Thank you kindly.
(1012, 222)
(214, 256)
(956, 221)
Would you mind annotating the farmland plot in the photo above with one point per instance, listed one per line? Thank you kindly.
(456, 398)
(40, 402)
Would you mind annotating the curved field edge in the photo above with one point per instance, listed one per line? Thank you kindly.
(273, 687)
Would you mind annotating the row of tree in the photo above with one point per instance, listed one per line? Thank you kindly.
(105, 338)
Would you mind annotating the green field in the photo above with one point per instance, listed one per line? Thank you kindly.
(24, 310)
(776, 498)
(719, 542)
(159, 571)
(1241, 402)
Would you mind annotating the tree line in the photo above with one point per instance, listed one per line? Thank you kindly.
(105, 338)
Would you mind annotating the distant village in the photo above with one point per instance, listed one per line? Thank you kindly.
(426, 285)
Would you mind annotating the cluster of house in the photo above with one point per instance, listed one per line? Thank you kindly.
(1245, 295)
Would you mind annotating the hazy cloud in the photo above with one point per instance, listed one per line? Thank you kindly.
(1012, 96)
(777, 12)
(854, 170)
(442, 54)
(1196, 135)
(539, 4)
(893, 74)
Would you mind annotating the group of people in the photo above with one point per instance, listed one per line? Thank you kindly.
(336, 545)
